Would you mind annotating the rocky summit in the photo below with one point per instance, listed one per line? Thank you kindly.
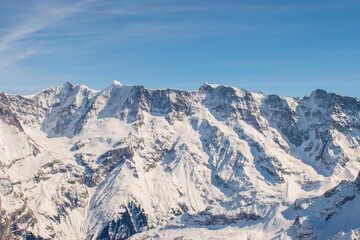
(220, 162)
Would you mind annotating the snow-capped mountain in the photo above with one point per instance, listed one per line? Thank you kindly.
(216, 163)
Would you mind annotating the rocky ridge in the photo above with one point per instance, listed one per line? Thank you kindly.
(132, 162)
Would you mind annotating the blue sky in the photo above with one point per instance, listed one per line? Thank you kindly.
(283, 47)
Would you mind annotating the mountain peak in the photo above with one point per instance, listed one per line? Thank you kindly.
(69, 84)
(206, 86)
(317, 93)
(116, 83)
(113, 85)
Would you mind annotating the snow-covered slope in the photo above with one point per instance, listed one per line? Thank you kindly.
(216, 163)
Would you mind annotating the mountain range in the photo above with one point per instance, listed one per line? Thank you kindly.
(220, 162)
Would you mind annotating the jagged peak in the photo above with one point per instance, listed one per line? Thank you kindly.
(3, 96)
(69, 84)
(317, 93)
(234, 90)
(321, 94)
(116, 83)
(116, 86)
(205, 84)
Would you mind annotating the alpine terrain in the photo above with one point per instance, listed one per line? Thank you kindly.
(215, 163)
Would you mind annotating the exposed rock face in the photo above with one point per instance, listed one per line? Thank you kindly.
(6, 115)
(168, 164)
(129, 222)
(335, 208)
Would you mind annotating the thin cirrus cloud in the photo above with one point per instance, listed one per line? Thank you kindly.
(157, 7)
(16, 44)
(21, 41)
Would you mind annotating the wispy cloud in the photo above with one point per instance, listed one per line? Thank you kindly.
(19, 42)
(10, 59)
(15, 43)
(156, 7)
